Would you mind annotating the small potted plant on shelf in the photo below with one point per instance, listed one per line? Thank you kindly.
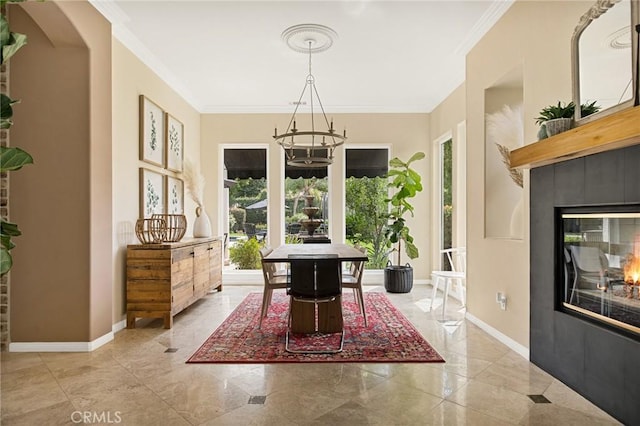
(407, 182)
(555, 119)
(558, 118)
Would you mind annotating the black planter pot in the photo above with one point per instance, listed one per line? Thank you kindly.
(398, 278)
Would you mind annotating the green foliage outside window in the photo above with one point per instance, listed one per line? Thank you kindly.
(246, 254)
(296, 190)
(244, 193)
(365, 205)
(239, 217)
(250, 188)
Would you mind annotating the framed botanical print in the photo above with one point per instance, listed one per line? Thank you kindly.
(174, 135)
(152, 129)
(175, 195)
(151, 193)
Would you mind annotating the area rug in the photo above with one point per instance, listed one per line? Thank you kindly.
(389, 336)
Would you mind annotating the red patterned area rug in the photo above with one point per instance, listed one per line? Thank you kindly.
(389, 337)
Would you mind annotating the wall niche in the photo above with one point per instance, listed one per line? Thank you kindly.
(504, 197)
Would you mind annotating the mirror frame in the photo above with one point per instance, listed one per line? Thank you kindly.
(599, 8)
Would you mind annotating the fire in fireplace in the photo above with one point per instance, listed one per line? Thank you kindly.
(600, 265)
(632, 265)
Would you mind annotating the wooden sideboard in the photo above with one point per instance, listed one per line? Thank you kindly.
(163, 279)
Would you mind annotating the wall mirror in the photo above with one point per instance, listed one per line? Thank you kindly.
(604, 57)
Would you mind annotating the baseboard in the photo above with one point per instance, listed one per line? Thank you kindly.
(60, 346)
(523, 351)
(119, 326)
(247, 277)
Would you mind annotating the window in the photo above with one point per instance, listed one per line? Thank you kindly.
(305, 187)
(365, 192)
(446, 200)
(246, 178)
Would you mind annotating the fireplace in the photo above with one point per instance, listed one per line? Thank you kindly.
(599, 266)
(592, 348)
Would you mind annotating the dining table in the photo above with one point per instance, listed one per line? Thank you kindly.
(345, 252)
(303, 315)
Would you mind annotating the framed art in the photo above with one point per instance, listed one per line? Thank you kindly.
(152, 129)
(174, 135)
(175, 195)
(152, 193)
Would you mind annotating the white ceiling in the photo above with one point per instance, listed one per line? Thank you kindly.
(228, 56)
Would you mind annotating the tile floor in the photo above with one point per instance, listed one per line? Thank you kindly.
(135, 380)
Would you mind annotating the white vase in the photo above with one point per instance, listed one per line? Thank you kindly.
(202, 225)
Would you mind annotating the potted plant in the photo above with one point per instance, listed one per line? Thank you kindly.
(588, 109)
(407, 183)
(558, 118)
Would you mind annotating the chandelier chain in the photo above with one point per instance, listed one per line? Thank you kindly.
(305, 140)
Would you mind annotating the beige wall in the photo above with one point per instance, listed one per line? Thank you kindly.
(71, 217)
(61, 284)
(535, 36)
(132, 78)
(404, 133)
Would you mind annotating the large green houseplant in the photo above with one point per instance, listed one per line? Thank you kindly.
(407, 183)
(11, 158)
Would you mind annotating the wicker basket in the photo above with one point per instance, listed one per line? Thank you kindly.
(151, 231)
(175, 226)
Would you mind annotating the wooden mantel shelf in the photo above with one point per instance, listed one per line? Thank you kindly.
(611, 132)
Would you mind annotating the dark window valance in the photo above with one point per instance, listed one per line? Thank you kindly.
(366, 162)
(245, 163)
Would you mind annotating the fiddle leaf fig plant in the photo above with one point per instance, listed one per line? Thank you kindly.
(407, 183)
(11, 158)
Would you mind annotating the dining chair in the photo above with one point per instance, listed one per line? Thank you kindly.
(590, 271)
(272, 281)
(353, 279)
(277, 270)
(251, 232)
(315, 280)
(457, 258)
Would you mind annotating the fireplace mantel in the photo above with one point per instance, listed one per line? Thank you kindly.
(611, 132)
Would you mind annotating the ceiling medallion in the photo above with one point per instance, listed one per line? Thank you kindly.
(620, 39)
(317, 146)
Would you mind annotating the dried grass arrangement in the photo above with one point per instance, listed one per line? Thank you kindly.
(505, 129)
(194, 181)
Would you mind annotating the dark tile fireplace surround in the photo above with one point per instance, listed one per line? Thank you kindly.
(598, 362)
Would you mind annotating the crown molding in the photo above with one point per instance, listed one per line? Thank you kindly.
(488, 20)
(354, 109)
(118, 18)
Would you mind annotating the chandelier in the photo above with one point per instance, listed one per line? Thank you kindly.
(314, 147)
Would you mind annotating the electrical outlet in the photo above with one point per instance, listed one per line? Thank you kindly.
(501, 298)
